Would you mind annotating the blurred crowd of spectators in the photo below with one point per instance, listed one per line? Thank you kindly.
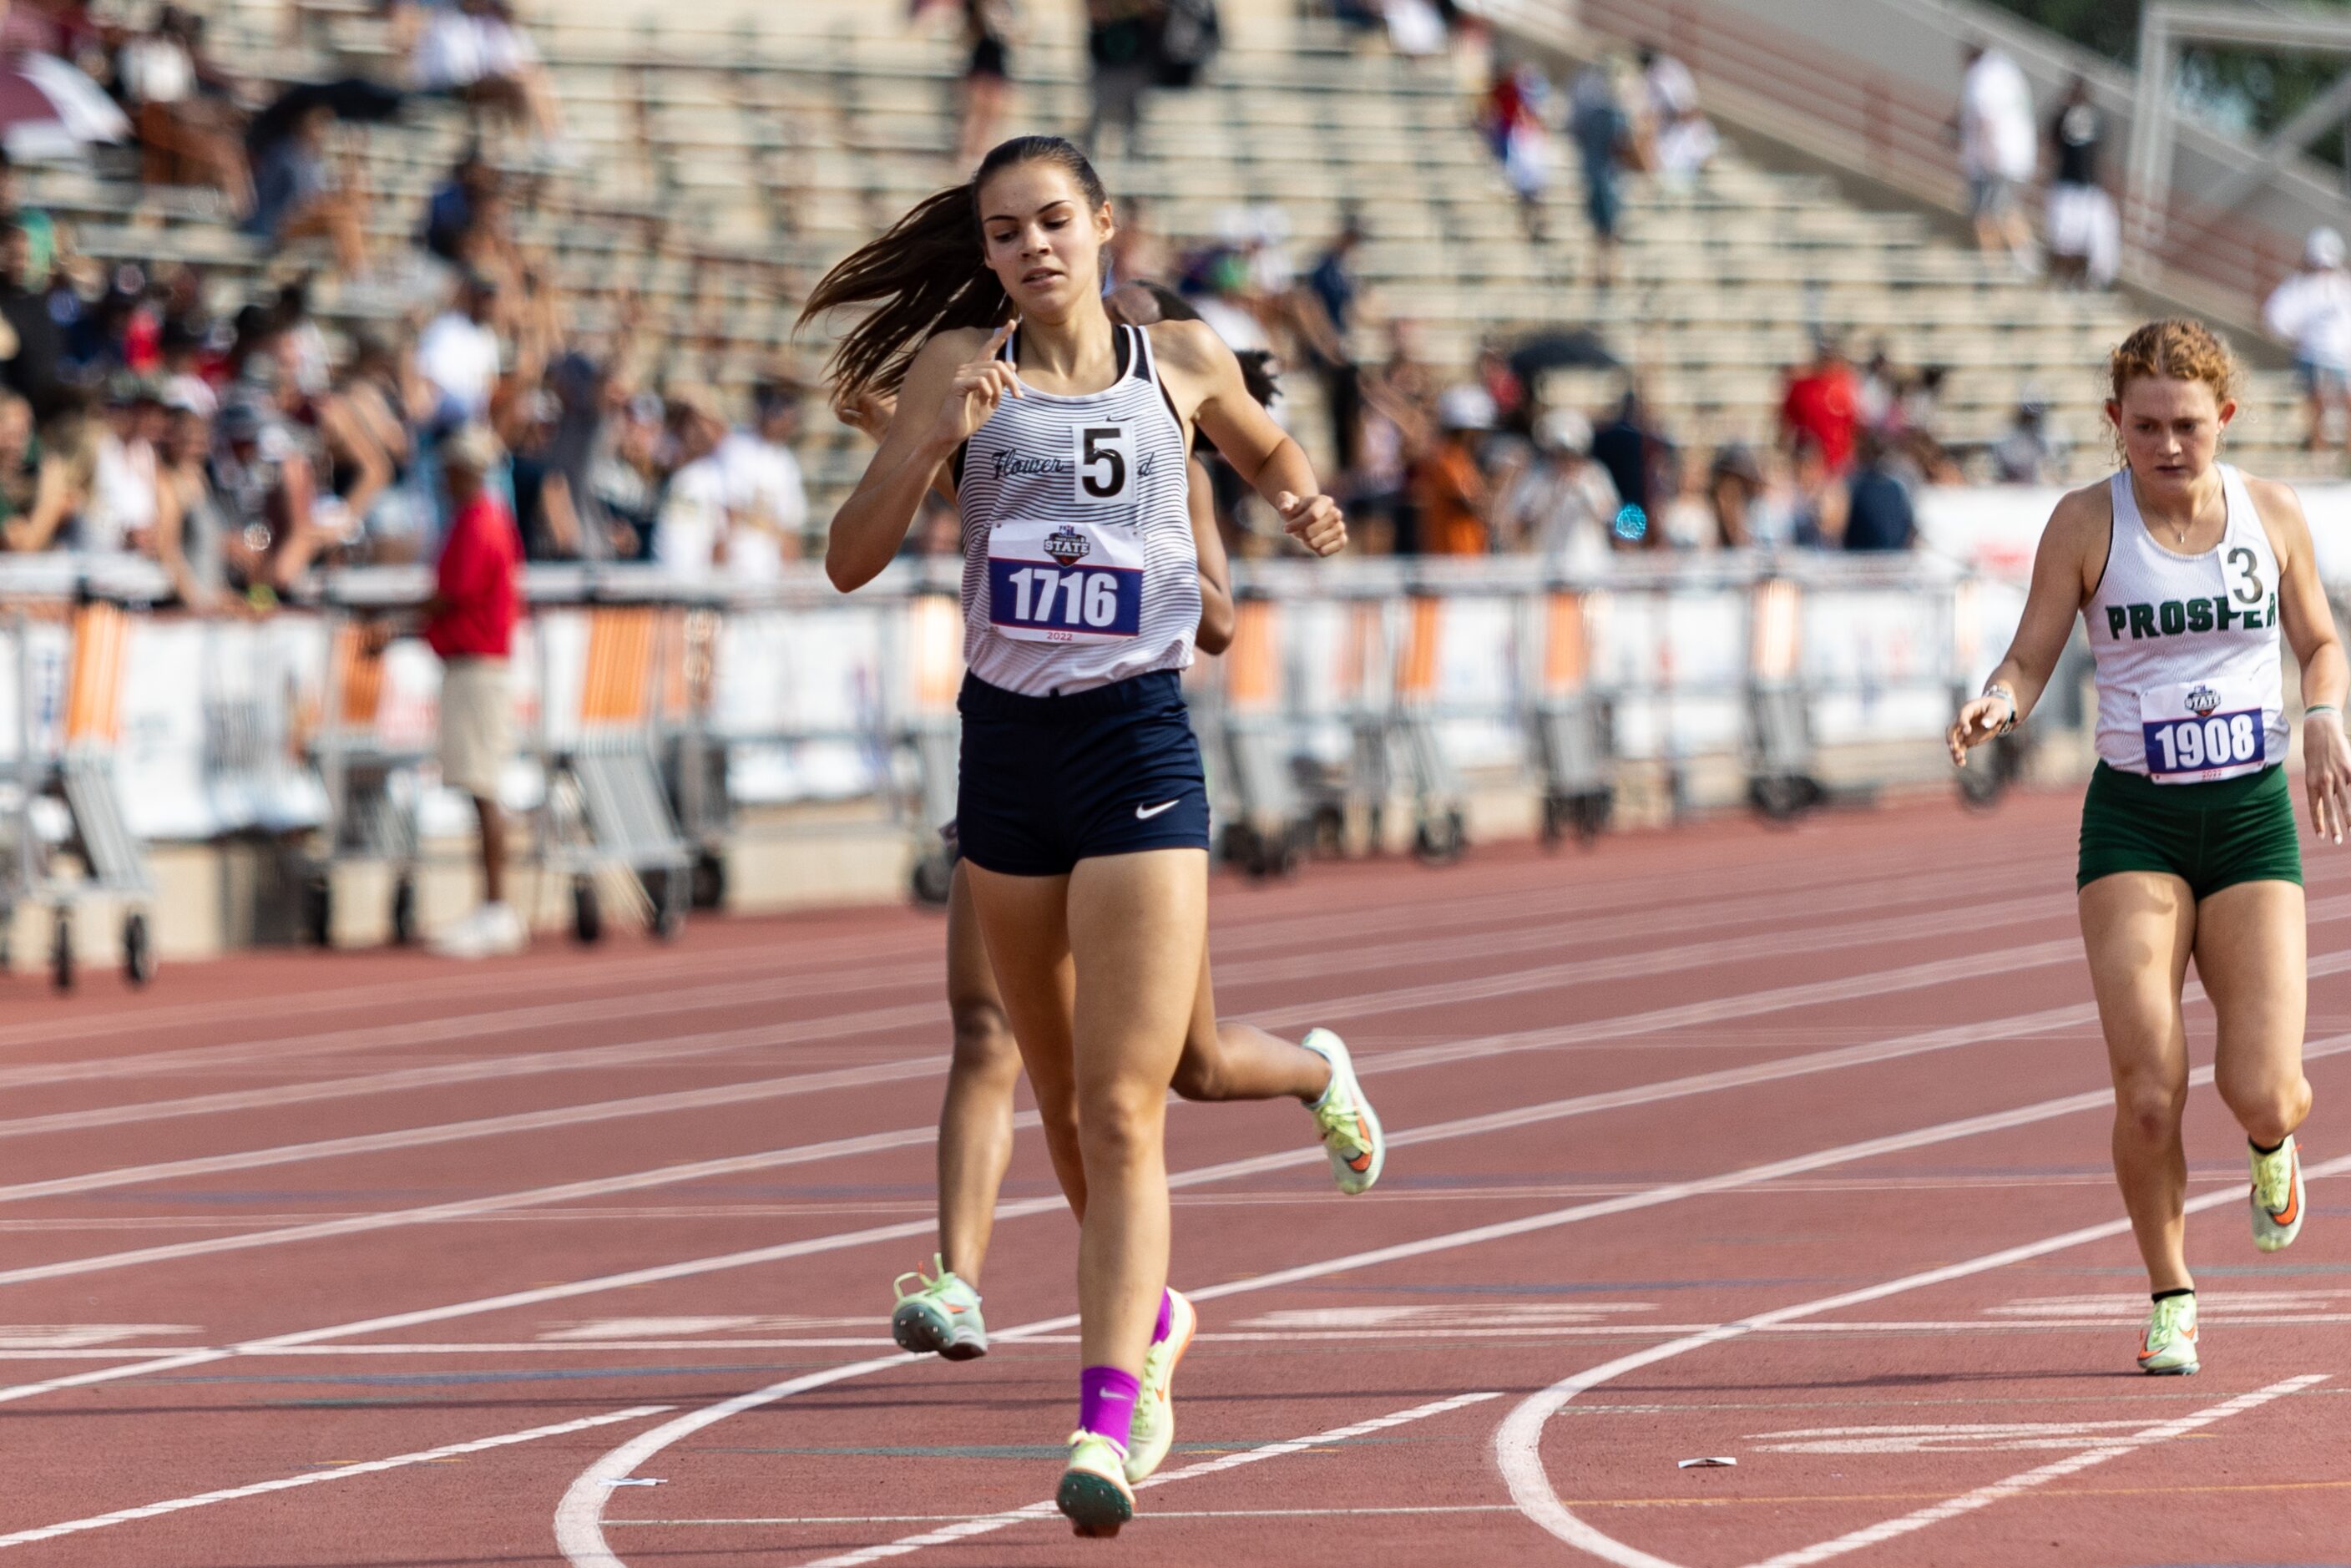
(239, 444)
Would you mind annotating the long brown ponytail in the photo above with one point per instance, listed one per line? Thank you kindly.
(927, 274)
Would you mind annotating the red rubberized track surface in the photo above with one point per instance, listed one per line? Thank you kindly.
(1786, 1147)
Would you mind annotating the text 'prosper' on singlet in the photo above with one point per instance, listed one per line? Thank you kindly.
(2187, 648)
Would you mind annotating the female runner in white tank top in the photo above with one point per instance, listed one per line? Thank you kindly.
(2185, 572)
(1082, 815)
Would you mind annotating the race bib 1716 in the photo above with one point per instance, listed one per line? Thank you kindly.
(1064, 582)
(2202, 731)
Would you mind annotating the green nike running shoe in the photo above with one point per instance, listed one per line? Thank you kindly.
(1094, 1495)
(941, 1314)
(2277, 1196)
(2169, 1347)
(1350, 1127)
(1153, 1430)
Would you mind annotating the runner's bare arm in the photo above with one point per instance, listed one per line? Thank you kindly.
(957, 377)
(1216, 634)
(1260, 450)
(2308, 622)
(871, 414)
(2061, 581)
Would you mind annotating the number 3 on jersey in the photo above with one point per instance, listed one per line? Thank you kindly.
(1064, 582)
(1104, 463)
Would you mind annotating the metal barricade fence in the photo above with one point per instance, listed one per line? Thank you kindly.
(660, 725)
(67, 836)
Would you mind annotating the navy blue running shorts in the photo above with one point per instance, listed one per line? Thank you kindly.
(1047, 782)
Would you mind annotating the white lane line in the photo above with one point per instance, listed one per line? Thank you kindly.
(1549, 977)
(319, 1478)
(1628, 1330)
(181, 1361)
(1233, 977)
(988, 1524)
(562, 1192)
(723, 1095)
(663, 1050)
(718, 1095)
(1691, 1015)
(461, 1027)
(1518, 1441)
(794, 952)
(1676, 921)
(580, 1514)
(1464, 1127)
(2042, 1475)
(701, 1170)
(813, 1520)
(631, 973)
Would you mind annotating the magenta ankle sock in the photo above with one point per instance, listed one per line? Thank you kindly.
(1106, 1403)
(1160, 1330)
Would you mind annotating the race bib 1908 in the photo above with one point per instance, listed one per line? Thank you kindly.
(1064, 582)
(2203, 731)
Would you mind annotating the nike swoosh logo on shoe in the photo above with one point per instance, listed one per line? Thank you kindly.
(1145, 814)
(2292, 1201)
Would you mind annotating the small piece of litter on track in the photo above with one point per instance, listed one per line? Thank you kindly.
(1705, 1464)
(637, 1481)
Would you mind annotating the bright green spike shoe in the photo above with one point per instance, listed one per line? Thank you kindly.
(941, 1314)
(2277, 1197)
(1350, 1127)
(2169, 1347)
(1153, 1430)
(1094, 1495)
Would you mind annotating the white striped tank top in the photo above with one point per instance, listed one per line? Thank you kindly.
(1079, 564)
(2187, 648)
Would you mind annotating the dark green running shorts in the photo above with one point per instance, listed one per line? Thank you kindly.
(2210, 836)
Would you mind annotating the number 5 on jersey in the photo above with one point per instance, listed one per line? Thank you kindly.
(1104, 464)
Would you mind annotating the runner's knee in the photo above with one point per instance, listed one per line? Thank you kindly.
(1121, 1122)
(2267, 1103)
(983, 1037)
(2150, 1106)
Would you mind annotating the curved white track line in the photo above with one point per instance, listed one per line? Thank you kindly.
(2041, 1475)
(580, 1532)
(967, 1529)
(1518, 1441)
(1674, 1087)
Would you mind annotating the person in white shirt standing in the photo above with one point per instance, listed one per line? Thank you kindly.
(2312, 310)
(766, 498)
(691, 535)
(1682, 140)
(1998, 147)
(458, 353)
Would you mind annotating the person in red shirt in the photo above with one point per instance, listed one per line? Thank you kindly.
(470, 621)
(1824, 401)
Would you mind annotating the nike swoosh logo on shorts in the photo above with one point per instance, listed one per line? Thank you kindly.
(1145, 814)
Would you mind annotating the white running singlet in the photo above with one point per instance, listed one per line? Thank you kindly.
(2187, 648)
(1080, 568)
